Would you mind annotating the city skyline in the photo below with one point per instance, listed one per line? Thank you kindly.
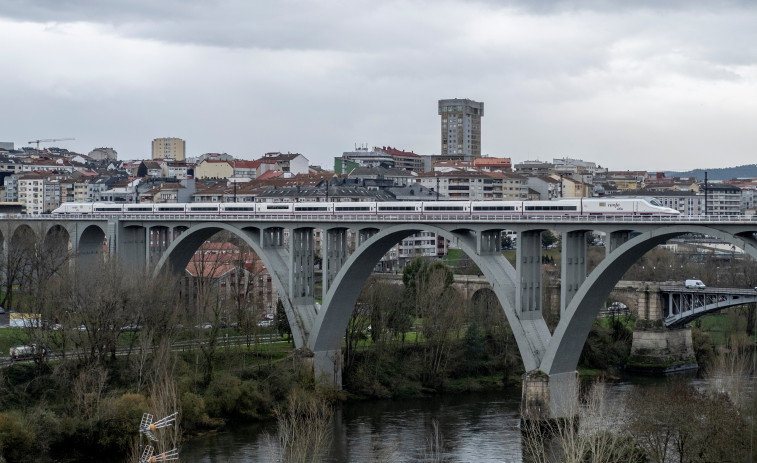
(656, 87)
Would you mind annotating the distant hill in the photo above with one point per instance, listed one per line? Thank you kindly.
(726, 173)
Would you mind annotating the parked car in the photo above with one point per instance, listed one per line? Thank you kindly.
(133, 327)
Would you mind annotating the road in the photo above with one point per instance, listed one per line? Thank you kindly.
(177, 346)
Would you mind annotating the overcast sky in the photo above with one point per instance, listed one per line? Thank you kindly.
(626, 84)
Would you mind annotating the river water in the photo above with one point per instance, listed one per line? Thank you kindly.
(474, 427)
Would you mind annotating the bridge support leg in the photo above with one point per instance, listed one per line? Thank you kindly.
(335, 252)
(549, 397)
(489, 243)
(132, 247)
(573, 266)
(528, 294)
(327, 369)
(617, 239)
(301, 265)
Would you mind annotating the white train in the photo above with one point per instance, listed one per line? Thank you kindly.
(577, 206)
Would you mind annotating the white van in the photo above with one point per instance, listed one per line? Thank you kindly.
(694, 284)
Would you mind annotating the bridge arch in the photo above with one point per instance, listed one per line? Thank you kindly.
(574, 326)
(91, 245)
(180, 252)
(339, 302)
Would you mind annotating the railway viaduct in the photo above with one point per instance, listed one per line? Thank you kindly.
(286, 246)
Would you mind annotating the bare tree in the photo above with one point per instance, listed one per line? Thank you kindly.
(304, 429)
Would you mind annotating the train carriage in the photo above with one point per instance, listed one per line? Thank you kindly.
(399, 207)
(202, 208)
(238, 208)
(496, 207)
(139, 208)
(274, 208)
(312, 208)
(107, 208)
(354, 208)
(171, 208)
(446, 207)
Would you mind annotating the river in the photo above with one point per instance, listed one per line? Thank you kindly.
(474, 427)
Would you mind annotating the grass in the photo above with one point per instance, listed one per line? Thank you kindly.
(12, 336)
(454, 257)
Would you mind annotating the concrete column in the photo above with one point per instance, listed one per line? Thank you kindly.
(335, 252)
(273, 238)
(528, 294)
(327, 368)
(618, 238)
(148, 246)
(547, 397)
(573, 266)
(131, 246)
(488, 243)
(111, 237)
(301, 265)
(650, 305)
(364, 234)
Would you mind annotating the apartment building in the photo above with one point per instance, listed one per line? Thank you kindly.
(461, 128)
(31, 193)
(169, 148)
(463, 185)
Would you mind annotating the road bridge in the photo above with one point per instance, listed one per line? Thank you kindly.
(285, 244)
(683, 305)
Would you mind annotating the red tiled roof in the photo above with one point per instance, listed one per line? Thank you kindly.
(239, 164)
(270, 174)
(395, 152)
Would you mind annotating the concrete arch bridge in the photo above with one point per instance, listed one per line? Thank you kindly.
(286, 246)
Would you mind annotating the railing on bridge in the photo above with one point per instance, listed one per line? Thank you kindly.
(403, 218)
(683, 305)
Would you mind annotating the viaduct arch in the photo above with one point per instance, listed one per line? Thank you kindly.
(552, 355)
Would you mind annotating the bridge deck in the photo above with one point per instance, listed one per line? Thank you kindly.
(404, 218)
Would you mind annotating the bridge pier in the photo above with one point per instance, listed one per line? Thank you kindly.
(656, 349)
(548, 397)
(327, 368)
(573, 266)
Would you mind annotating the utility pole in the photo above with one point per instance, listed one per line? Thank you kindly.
(706, 205)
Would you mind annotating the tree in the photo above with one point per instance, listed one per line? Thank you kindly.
(548, 238)
(281, 321)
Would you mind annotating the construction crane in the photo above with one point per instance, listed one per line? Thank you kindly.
(45, 140)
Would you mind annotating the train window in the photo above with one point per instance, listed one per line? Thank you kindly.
(272, 207)
(310, 208)
(396, 208)
(108, 209)
(493, 208)
(203, 209)
(170, 209)
(239, 208)
(140, 209)
(551, 208)
(352, 208)
(444, 208)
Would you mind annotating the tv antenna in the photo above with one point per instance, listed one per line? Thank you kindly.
(147, 427)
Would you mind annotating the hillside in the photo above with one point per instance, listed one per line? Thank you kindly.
(725, 173)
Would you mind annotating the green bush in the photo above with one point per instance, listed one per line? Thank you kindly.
(254, 402)
(193, 414)
(119, 417)
(222, 395)
(18, 441)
